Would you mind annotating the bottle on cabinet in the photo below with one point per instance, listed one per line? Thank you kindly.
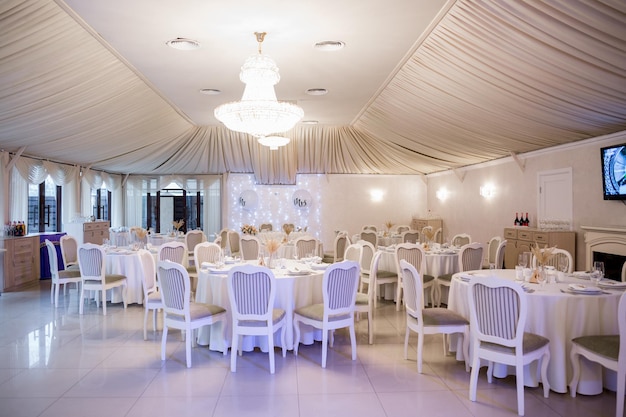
(517, 221)
(526, 221)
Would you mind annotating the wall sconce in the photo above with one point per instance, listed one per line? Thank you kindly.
(442, 194)
(377, 195)
(488, 191)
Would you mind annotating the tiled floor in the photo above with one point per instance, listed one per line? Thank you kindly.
(54, 362)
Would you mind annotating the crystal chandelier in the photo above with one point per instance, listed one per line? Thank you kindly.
(259, 113)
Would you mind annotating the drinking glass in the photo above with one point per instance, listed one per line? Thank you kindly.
(542, 276)
(597, 272)
(522, 260)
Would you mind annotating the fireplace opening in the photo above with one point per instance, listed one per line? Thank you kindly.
(612, 264)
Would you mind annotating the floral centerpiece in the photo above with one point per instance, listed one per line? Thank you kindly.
(272, 247)
(388, 225)
(287, 228)
(178, 224)
(430, 236)
(248, 229)
(543, 256)
(139, 234)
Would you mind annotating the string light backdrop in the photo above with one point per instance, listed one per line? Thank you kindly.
(275, 203)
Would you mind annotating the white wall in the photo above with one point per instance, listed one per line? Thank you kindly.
(516, 190)
(339, 202)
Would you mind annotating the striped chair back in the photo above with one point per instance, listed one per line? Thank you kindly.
(413, 253)
(471, 257)
(175, 288)
(149, 272)
(91, 261)
(69, 250)
(461, 239)
(411, 236)
(497, 311)
(250, 247)
(172, 251)
(206, 252)
(341, 243)
(413, 290)
(367, 254)
(252, 290)
(370, 236)
(306, 245)
(339, 287)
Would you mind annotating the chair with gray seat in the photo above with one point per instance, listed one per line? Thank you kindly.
(59, 277)
(607, 350)
(414, 254)
(470, 258)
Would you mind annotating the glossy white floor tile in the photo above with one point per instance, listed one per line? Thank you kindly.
(54, 362)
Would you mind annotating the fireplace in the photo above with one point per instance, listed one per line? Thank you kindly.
(606, 244)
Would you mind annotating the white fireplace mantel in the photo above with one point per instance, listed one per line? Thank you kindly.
(607, 239)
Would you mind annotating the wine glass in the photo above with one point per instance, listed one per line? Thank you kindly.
(522, 260)
(541, 277)
(597, 272)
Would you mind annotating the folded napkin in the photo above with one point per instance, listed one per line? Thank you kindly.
(581, 288)
(609, 283)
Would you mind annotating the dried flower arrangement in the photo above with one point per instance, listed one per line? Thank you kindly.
(429, 234)
(178, 224)
(543, 255)
(248, 229)
(272, 246)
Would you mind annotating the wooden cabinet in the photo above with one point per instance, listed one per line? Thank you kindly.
(88, 232)
(520, 239)
(21, 261)
(419, 224)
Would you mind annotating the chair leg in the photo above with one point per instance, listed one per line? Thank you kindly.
(283, 339)
(296, 342)
(188, 342)
(420, 351)
(353, 341)
(370, 326)
(104, 301)
(519, 376)
(406, 343)
(56, 295)
(145, 323)
(575, 360)
(474, 377)
(81, 300)
(270, 351)
(398, 296)
(233, 352)
(544, 373)
(621, 387)
(52, 292)
(324, 347)
(163, 341)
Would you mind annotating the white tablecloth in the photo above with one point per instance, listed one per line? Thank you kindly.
(126, 263)
(291, 292)
(559, 317)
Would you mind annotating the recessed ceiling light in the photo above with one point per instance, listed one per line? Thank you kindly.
(183, 44)
(329, 45)
(210, 91)
(316, 91)
(309, 122)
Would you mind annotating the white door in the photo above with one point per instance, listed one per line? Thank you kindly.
(554, 195)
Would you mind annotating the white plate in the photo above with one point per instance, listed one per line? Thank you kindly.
(612, 284)
(581, 289)
(319, 266)
(581, 274)
(297, 273)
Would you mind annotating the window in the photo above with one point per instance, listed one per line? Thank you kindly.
(169, 204)
(101, 203)
(44, 207)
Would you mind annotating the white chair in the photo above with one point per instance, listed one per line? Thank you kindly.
(414, 254)
(250, 247)
(192, 238)
(265, 227)
(498, 311)
(431, 320)
(353, 253)
(555, 261)
(402, 228)
(370, 236)
(223, 240)
(62, 277)
(461, 239)
(305, 246)
(364, 304)
(492, 248)
(607, 350)
(365, 262)
(380, 277)
(179, 312)
(172, 251)
(233, 243)
(339, 247)
(470, 259)
(425, 230)
(370, 227)
(339, 288)
(437, 237)
(252, 291)
(69, 251)
(207, 252)
(500, 254)
(151, 295)
(91, 261)
(411, 236)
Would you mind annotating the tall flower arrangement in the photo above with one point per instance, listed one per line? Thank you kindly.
(248, 229)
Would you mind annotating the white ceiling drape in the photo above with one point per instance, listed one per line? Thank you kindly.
(491, 78)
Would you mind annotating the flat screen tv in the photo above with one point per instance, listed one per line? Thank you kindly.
(614, 172)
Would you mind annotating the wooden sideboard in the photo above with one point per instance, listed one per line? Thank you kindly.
(419, 224)
(520, 239)
(21, 261)
(88, 232)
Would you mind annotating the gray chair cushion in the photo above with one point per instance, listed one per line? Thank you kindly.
(277, 315)
(442, 317)
(445, 277)
(530, 343)
(69, 273)
(199, 311)
(607, 346)
(316, 312)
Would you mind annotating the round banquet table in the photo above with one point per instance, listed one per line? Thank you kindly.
(125, 262)
(559, 316)
(292, 291)
(437, 263)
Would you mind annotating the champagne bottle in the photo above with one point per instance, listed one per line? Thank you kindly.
(517, 222)
(526, 221)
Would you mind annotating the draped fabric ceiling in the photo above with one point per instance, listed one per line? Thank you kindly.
(488, 79)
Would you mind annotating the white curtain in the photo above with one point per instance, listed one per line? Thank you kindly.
(18, 190)
(4, 188)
